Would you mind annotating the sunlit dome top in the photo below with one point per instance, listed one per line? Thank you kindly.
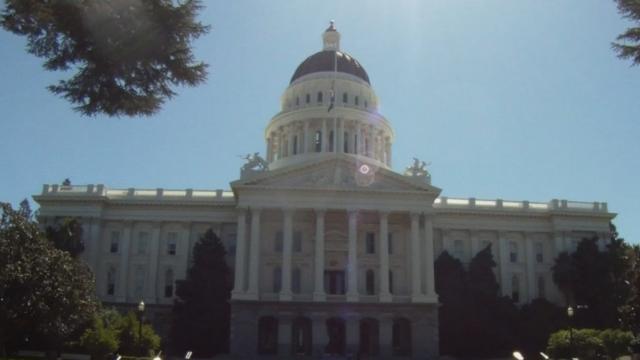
(330, 59)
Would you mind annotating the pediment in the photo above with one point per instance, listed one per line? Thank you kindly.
(335, 173)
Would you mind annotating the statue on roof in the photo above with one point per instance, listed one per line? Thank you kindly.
(254, 163)
(66, 182)
(418, 170)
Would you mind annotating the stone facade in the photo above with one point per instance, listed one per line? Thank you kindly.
(332, 250)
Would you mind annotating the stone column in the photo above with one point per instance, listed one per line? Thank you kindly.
(503, 243)
(416, 294)
(385, 295)
(335, 135)
(341, 136)
(96, 242)
(429, 259)
(241, 252)
(531, 266)
(358, 146)
(325, 139)
(306, 137)
(352, 264)
(318, 289)
(320, 338)
(269, 145)
(154, 250)
(475, 243)
(285, 291)
(254, 257)
(125, 245)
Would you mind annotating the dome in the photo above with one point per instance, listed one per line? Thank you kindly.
(324, 61)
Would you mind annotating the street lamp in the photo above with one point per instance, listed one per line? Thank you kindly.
(140, 319)
(570, 313)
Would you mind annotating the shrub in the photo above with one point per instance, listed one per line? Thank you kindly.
(586, 344)
(99, 340)
(616, 342)
(131, 343)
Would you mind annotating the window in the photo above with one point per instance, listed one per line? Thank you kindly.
(458, 249)
(390, 243)
(111, 280)
(297, 241)
(366, 145)
(172, 243)
(277, 242)
(319, 96)
(295, 144)
(370, 242)
(346, 143)
(334, 282)
(539, 253)
(115, 242)
(355, 144)
(296, 281)
(297, 101)
(331, 140)
(515, 288)
(355, 101)
(143, 240)
(541, 287)
(318, 141)
(139, 282)
(168, 283)
(345, 98)
(370, 282)
(277, 279)
(308, 98)
(390, 281)
(513, 252)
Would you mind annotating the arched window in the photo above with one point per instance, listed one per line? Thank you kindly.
(267, 335)
(295, 144)
(345, 98)
(277, 279)
(296, 281)
(346, 142)
(331, 140)
(401, 337)
(168, 283)
(111, 280)
(366, 145)
(318, 141)
(355, 101)
(301, 339)
(355, 144)
(370, 282)
(308, 98)
(319, 96)
(541, 287)
(515, 288)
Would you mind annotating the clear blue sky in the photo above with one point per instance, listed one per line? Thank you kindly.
(520, 100)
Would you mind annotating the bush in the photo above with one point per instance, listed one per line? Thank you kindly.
(130, 343)
(100, 339)
(586, 344)
(634, 345)
(616, 342)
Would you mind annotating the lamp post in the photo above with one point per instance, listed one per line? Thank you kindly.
(140, 319)
(570, 313)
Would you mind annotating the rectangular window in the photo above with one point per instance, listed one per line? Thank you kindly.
(390, 243)
(370, 243)
(115, 242)
(277, 242)
(297, 241)
(318, 141)
(355, 100)
(296, 281)
(143, 240)
(277, 280)
(345, 98)
(513, 252)
(111, 281)
(168, 291)
(139, 282)
(172, 243)
(345, 142)
(539, 253)
(370, 282)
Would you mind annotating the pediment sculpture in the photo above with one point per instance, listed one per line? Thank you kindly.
(418, 170)
(253, 164)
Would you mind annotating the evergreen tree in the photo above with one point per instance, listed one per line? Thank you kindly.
(451, 288)
(628, 46)
(201, 312)
(125, 56)
(67, 236)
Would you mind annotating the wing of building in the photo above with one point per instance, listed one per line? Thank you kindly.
(332, 250)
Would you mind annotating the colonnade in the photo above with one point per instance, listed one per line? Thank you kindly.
(246, 285)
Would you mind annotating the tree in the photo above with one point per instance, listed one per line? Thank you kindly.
(201, 312)
(67, 236)
(628, 46)
(450, 285)
(43, 291)
(537, 321)
(580, 343)
(100, 339)
(126, 55)
(131, 343)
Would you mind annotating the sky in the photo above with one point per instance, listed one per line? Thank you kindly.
(518, 100)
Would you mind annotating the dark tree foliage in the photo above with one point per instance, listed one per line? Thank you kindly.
(598, 279)
(67, 236)
(628, 45)
(44, 293)
(201, 312)
(126, 56)
(451, 289)
(630, 311)
(25, 209)
(536, 322)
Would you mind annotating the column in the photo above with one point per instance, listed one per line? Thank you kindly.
(285, 291)
(269, 143)
(318, 289)
(475, 243)
(358, 146)
(325, 137)
(415, 257)
(125, 245)
(352, 263)
(285, 321)
(319, 335)
(290, 135)
(254, 256)
(385, 295)
(341, 136)
(446, 242)
(335, 135)
(429, 259)
(504, 263)
(241, 252)
(306, 137)
(154, 249)
(531, 266)
(95, 241)
(558, 241)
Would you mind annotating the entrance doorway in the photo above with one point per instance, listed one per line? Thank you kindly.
(336, 332)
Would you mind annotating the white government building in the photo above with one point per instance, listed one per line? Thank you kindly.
(332, 250)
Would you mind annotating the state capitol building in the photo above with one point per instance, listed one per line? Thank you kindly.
(333, 251)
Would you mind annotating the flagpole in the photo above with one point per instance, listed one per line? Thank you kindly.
(335, 117)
